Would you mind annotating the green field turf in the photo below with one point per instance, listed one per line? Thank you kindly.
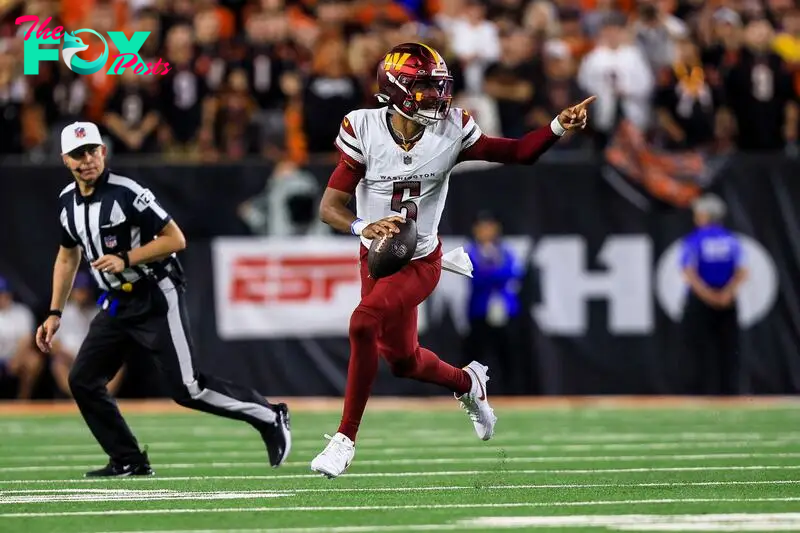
(722, 468)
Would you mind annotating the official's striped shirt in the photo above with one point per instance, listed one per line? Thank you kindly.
(118, 216)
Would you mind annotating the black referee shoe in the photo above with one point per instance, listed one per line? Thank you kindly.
(278, 436)
(118, 469)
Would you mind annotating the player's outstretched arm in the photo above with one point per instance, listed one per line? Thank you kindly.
(527, 149)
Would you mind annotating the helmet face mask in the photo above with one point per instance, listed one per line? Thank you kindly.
(433, 97)
(416, 83)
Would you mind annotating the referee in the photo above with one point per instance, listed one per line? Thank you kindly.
(115, 221)
(713, 268)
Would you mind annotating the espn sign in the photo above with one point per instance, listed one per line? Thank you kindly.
(262, 280)
(269, 288)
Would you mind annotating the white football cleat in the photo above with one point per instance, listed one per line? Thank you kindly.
(336, 457)
(475, 403)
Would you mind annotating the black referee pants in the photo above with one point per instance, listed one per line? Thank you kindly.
(711, 337)
(152, 321)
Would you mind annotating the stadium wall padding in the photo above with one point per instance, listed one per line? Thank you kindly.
(616, 333)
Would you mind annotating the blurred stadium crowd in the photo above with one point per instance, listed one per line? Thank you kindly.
(273, 78)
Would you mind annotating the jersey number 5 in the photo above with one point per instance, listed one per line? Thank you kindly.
(414, 189)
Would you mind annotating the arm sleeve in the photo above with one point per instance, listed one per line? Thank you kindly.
(475, 146)
(525, 150)
(346, 175)
(148, 213)
(348, 143)
(66, 239)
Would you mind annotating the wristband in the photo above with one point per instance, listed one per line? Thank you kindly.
(54, 312)
(125, 258)
(357, 226)
(557, 128)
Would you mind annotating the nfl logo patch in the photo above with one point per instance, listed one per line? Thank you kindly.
(407, 159)
(80, 133)
(110, 241)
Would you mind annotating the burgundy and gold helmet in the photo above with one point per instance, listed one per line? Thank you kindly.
(414, 79)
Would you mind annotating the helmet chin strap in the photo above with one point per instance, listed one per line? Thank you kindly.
(423, 121)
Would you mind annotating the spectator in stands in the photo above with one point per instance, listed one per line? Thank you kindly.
(187, 105)
(494, 306)
(506, 14)
(557, 90)
(393, 13)
(787, 45)
(721, 43)
(328, 95)
(541, 18)
(236, 135)
(787, 42)
(103, 17)
(269, 55)
(209, 61)
(437, 38)
(364, 54)
(475, 42)
(149, 19)
(572, 33)
(132, 116)
(656, 31)
(449, 12)
(20, 363)
(760, 95)
(778, 9)
(593, 19)
(75, 320)
(335, 15)
(59, 98)
(13, 92)
(713, 268)
(202, 37)
(685, 103)
(618, 73)
(513, 80)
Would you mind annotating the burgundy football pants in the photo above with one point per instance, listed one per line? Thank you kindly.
(385, 323)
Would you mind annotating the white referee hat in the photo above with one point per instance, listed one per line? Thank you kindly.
(79, 134)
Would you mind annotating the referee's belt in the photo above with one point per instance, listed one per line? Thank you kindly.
(140, 284)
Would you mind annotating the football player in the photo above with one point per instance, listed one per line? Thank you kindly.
(397, 161)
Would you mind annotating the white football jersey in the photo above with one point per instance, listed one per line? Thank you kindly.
(412, 183)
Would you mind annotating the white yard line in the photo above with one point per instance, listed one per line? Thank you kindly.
(510, 505)
(435, 447)
(84, 494)
(708, 522)
(24, 500)
(572, 433)
(704, 522)
(447, 460)
(340, 529)
(427, 473)
(142, 496)
(440, 437)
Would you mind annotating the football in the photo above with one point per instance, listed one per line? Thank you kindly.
(388, 255)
